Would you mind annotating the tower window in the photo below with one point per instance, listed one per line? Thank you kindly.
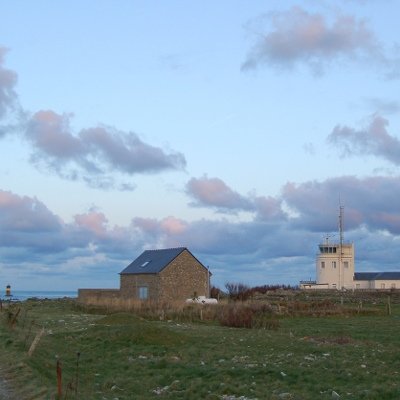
(333, 264)
(322, 264)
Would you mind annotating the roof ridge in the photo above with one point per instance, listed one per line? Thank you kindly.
(169, 248)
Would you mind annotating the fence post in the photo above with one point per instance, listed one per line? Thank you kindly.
(35, 342)
(77, 374)
(59, 379)
(389, 306)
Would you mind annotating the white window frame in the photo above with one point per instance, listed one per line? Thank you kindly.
(143, 292)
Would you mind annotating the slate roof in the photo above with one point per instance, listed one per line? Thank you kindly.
(153, 261)
(376, 276)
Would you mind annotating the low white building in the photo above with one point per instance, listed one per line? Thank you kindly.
(335, 269)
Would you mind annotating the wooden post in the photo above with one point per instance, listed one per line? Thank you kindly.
(14, 320)
(59, 379)
(389, 306)
(78, 354)
(35, 342)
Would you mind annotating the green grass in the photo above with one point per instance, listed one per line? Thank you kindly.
(127, 357)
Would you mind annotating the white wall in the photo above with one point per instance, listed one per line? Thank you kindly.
(334, 270)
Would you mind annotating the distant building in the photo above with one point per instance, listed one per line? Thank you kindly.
(164, 275)
(335, 268)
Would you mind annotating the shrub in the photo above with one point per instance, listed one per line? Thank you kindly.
(248, 316)
(216, 293)
(238, 291)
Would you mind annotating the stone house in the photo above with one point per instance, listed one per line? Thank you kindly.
(165, 275)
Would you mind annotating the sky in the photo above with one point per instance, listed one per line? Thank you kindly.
(233, 128)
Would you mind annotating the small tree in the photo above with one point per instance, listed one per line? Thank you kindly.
(216, 293)
(238, 291)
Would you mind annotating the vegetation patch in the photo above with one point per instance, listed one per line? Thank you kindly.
(120, 356)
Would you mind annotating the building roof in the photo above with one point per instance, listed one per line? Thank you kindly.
(376, 276)
(153, 261)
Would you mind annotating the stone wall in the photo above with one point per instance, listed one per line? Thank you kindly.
(98, 297)
(183, 278)
(130, 284)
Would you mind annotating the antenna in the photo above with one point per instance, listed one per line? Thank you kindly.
(341, 225)
(328, 236)
(341, 274)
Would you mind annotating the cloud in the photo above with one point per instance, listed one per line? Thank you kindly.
(278, 249)
(25, 214)
(384, 106)
(300, 37)
(370, 203)
(93, 153)
(30, 232)
(374, 140)
(127, 153)
(8, 80)
(216, 194)
(213, 192)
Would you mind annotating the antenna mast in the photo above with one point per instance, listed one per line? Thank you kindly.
(341, 225)
(341, 277)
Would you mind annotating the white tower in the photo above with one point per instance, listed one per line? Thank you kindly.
(335, 262)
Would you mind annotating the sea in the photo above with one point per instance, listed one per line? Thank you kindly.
(22, 295)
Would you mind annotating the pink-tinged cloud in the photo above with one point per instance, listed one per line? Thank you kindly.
(29, 232)
(213, 192)
(147, 225)
(8, 80)
(127, 153)
(25, 214)
(50, 134)
(298, 36)
(173, 226)
(370, 202)
(95, 222)
(216, 194)
(374, 140)
(93, 154)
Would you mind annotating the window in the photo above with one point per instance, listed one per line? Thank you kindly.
(346, 264)
(322, 264)
(393, 286)
(382, 286)
(333, 264)
(143, 292)
(145, 264)
(334, 285)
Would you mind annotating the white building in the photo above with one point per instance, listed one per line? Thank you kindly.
(335, 269)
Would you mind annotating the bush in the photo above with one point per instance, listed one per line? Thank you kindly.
(216, 293)
(248, 316)
(238, 291)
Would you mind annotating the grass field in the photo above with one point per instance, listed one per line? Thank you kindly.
(123, 356)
